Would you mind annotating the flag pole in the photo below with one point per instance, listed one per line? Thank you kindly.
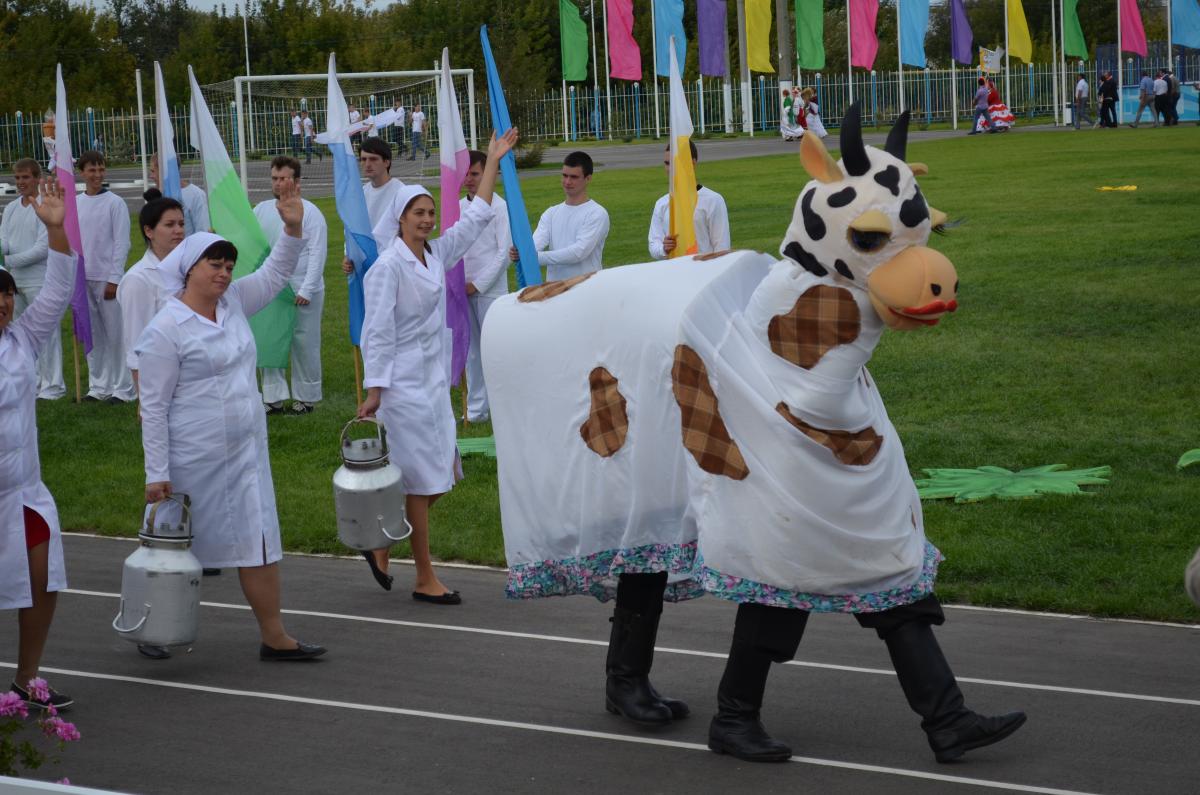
(1120, 68)
(953, 94)
(355, 353)
(1067, 95)
(1007, 91)
(1054, 63)
(1170, 40)
(654, 69)
(900, 56)
(595, 66)
(566, 137)
(137, 78)
(849, 62)
(462, 393)
(75, 356)
(607, 70)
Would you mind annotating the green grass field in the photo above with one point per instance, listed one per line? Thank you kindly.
(1076, 343)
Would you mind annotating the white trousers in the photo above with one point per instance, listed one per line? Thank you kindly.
(306, 359)
(107, 374)
(477, 399)
(50, 374)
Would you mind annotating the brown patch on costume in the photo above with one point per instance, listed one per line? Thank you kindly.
(712, 255)
(704, 433)
(607, 424)
(822, 318)
(857, 448)
(544, 292)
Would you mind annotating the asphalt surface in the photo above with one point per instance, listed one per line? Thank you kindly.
(503, 696)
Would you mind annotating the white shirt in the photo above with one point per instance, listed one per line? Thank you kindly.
(24, 241)
(401, 115)
(308, 127)
(1160, 86)
(141, 294)
(296, 125)
(380, 199)
(486, 261)
(1081, 89)
(355, 115)
(309, 276)
(711, 220)
(418, 121)
(104, 233)
(195, 209)
(574, 235)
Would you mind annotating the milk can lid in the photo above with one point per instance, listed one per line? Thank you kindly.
(363, 451)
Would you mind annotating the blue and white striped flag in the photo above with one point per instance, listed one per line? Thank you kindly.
(168, 160)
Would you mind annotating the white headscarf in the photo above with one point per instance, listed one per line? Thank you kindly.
(174, 268)
(388, 228)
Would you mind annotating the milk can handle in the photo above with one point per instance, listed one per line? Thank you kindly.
(381, 432)
(185, 503)
(121, 612)
(383, 530)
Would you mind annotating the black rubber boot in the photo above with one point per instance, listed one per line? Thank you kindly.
(933, 693)
(761, 635)
(640, 595)
(627, 691)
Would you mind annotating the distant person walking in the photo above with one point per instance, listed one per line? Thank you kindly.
(307, 124)
(1081, 103)
(1108, 100)
(1145, 100)
(418, 132)
(981, 108)
(398, 126)
(1173, 94)
(1160, 98)
(297, 132)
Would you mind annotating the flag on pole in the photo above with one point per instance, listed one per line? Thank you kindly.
(668, 28)
(624, 55)
(63, 166)
(233, 219)
(572, 42)
(1073, 41)
(1185, 23)
(810, 33)
(758, 36)
(710, 36)
(991, 61)
(914, 21)
(1133, 35)
(864, 44)
(1019, 43)
(348, 197)
(168, 161)
(961, 37)
(682, 204)
(528, 272)
(455, 161)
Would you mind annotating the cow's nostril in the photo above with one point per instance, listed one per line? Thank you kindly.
(936, 288)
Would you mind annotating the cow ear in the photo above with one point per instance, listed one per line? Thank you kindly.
(817, 161)
(919, 169)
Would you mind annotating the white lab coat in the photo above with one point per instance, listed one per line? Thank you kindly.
(406, 350)
(203, 426)
(20, 467)
(141, 294)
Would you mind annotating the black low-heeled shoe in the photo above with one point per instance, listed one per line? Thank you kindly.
(154, 652)
(384, 579)
(448, 598)
(303, 651)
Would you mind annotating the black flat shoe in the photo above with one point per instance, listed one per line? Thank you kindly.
(448, 598)
(303, 651)
(154, 652)
(384, 580)
(210, 572)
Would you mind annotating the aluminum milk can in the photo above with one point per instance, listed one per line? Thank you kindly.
(160, 585)
(368, 495)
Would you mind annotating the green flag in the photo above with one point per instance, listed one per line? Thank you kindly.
(810, 31)
(1073, 43)
(573, 40)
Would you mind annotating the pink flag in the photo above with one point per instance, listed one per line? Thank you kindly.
(1133, 36)
(63, 167)
(624, 57)
(863, 41)
(455, 162)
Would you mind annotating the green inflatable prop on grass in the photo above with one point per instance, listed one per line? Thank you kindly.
(479, 445)
(974, 485)
(1189, 458)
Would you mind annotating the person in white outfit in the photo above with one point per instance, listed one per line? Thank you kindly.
(486, 264)
(32, 570)
(417, 120)
(406, 350)
(711, 219)
(193, 198)
(570, 236)
(812, 112)
(398, 126)
(375, 157)
(309, 285)
(104, 230)
(23, 237)
(204, 433)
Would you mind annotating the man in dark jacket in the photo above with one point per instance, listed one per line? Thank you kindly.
(1108, 101)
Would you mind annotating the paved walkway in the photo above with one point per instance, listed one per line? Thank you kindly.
(503, 696)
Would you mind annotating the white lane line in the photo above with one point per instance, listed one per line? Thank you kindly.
(540, 727)
(503, 633)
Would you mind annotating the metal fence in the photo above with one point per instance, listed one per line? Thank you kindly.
(629, 111)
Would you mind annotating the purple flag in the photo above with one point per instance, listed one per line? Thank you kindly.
(960, 34)
(710, 32)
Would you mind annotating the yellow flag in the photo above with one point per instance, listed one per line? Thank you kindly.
(1019, 44)
(758, 35)
(683, 171)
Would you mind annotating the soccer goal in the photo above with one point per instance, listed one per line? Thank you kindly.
(258, 115)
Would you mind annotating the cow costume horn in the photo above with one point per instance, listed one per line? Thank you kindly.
(854, 154)
(897, 140)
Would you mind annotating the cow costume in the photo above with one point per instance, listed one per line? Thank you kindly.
(709, 424)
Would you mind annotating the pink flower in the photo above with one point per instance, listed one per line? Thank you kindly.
(64, 781)
(39, 689)
(12, 704)
(57, 727)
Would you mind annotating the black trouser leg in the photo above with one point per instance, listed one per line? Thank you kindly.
(929, 684)
(761, 635)
(627, 690)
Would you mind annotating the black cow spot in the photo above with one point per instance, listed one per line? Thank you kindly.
(805, 260)
(890, 179)
(842, 197)
(914, 211)
(843, 269)
(812, 222)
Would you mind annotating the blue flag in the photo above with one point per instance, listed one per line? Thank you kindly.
(348, 197)
(528, 271)
(668, 22)
(914, 22)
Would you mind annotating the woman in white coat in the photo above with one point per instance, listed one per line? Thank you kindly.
(406, 350)
(203, 428)
(32, 571)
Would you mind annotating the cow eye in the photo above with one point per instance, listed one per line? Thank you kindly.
(868, 241)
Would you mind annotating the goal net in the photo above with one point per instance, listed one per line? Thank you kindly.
(254, 115)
